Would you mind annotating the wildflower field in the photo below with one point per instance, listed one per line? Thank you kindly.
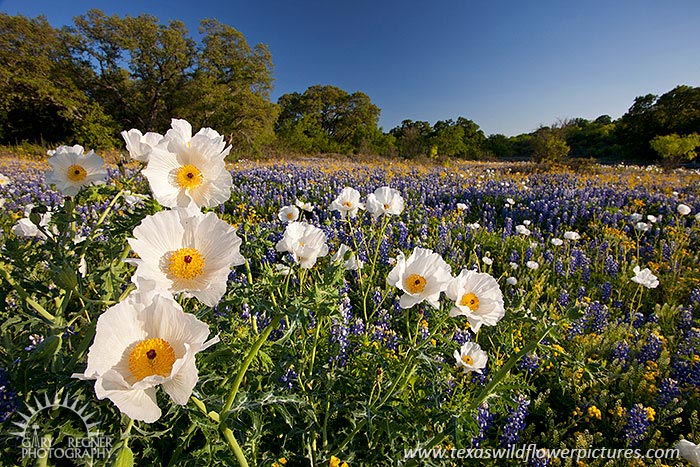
(319, 312)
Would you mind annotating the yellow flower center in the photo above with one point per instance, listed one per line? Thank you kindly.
(347, 204)
(186, 263)
(76, 173)
(290, 215)
(151, 357)
(467, 360)
(470, 300)
(189, 177)
(386, 206)
(414, 283)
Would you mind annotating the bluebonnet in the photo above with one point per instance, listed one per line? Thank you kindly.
(484, 420)
(514, 423)
(637, 424)
(563, 299)
(668, 390)
(621, 351)
(651, 350)
(289, 378)
(530, 362)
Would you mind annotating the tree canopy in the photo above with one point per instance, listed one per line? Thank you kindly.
(87, 82)
(329, 119)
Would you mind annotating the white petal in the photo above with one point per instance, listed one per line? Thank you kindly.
(117, 328)
(180, 387)
(139, 404)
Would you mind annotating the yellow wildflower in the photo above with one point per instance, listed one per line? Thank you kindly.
(594, 412)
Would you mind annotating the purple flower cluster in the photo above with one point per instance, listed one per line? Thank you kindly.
(637, 424)
(514, 423)
(484, 420)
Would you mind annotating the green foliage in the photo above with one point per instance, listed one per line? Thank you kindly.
(412, 138)
(549, 145)
(328, 119)
(462, 138)
(41, 99)
(675, 148)
(106, 73)
(677, 111)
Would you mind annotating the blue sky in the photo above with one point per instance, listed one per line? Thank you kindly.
(508, 65)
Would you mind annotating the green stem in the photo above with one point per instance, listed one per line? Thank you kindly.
(248, 360)
(370, 278)
(127, 431)
(313, 350)
(225, 430)
(235, 447)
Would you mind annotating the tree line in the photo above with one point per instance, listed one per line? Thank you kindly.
(86, 82)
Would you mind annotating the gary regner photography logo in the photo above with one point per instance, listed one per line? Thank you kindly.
(60, 428)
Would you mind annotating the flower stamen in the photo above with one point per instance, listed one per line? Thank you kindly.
(151, 357)
(415, 283)
(470, 300)
(189, 176)
(76, 173)
(186, 263)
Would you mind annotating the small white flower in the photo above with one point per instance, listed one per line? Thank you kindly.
(133, 199)
(527, 222)
(689, 451)
(512, 280)
(183, 250)
(4, 180)
(82, 267)
(385, 200)
(72, 170)
(308, 207)
(645, 277)
(534, 265)
(305, 242)
(683, 209)
(474, 226)
(697, 217)
(557, 241)
(652, 219)
(347, 203)
(27, 229)
(283, 269)
(140, 145)
(522, 230)
(570, 235)
(288, 214)
(352, 263)
(461, 207)
(635, 217)
(642, 226)
(510, 201)
(513, 265)
(478, 297)
(487, 261)
(470, 357)
(423, 276)
(185, 169)
(143, 342)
